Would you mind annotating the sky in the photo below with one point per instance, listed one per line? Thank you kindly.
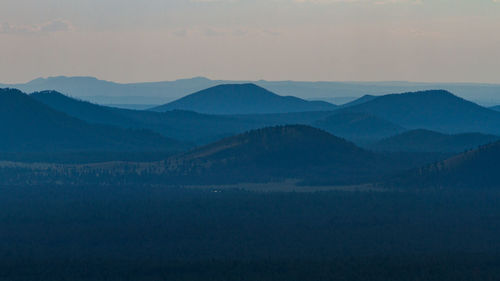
(306, 40)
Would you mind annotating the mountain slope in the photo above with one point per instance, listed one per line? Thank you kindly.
(181, 125)
(106, 92)
(297, 153)
(436, 110)
(90, 112)
(429, 141)
(496, 108)
(358, 127)
(478, 168)
(30, 126)
(363, 99)
(203, 128)
(242, 99)
(278, 153)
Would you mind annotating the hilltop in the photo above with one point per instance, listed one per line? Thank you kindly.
(279, 153)
(436, 110)
(242, 99)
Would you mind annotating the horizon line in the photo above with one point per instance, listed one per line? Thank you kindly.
(249, 80)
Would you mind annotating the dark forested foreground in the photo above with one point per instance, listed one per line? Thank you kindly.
(145, 233)
(406, 268)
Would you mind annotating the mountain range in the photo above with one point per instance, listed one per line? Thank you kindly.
(365, 121)
(186, 126)
(240, 141)
(178, 124)
(298, 153)
(106, 92)
(201, 128)
(237, 182)
(30, 126)
(242, 99)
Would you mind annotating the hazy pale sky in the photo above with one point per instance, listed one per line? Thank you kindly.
(333, 40)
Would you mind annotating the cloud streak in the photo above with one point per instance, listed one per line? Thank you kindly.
(376, 2)
(57, 25)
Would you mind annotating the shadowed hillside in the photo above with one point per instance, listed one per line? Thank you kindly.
(358, 127)
(177, 124)
(87, 111)
(278, 153)
(106, 92)
(242, 99)
(294, 153)
(363, 99)
(434, 110)
(30, 126)
(478, 168)
(272, 154)
(429, 141)
(496, 108)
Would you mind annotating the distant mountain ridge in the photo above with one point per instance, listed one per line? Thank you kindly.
(101, 91)
(242, 99)
(106, 92)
